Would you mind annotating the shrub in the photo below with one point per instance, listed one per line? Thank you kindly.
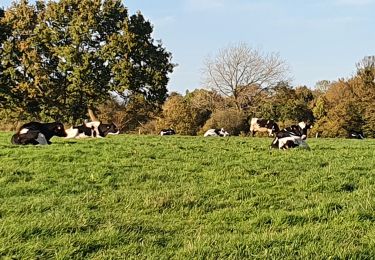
(232, 120)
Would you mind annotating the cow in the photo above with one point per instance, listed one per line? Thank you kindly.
(292, 136)
(216, 132)
(356, 135)
(168, 131)
(263, 125)
(92, 129)
(81, 131)
(38, 133)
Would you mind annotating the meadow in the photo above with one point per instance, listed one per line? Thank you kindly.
(180, 197)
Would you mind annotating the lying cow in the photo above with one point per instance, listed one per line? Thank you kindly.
(290, 137)
(92, 129)
(356, 135)
(263, 125)
(168, 131)
(38, 133)
(216, 132)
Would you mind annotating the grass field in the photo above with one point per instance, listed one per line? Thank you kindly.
(151, 197)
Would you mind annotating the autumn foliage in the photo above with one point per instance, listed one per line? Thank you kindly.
(60, 58)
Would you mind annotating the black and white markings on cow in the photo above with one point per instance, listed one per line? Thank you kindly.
(168, 131)
(38, 133)
(92, 129)
(216, 132)
(263, 125)
(291, 137)
(356, 135)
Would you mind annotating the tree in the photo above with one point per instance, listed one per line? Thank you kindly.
(129, 114)
(183, 115)
(365, 93)
(322, 86)
(337, 111)
(232, 120)
(67, 56)
(177, 115)
(320, 108)
(18, 88)
(4, 32)
(239, 66)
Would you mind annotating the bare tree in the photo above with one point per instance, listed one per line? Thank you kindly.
(368, 62)
(366, 69)
(239, 66)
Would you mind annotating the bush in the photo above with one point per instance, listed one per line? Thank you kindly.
(232, 120)
(151, 127)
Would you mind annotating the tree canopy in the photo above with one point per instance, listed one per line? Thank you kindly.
(238, 67)
(60, 58)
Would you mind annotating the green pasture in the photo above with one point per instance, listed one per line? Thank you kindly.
(179, 197)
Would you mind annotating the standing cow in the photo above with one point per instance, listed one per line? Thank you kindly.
(263, 125)
(292, 136)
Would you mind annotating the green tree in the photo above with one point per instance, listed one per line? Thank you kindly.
(4, 32)
(17, 87)
(67, 56)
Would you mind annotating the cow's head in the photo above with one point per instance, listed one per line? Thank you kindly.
(274, 129)
(304, 127)
(222, 132)
(106, 129)
(168, 131)
(58, 130)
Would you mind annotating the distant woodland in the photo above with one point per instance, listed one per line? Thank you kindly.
(59, 59)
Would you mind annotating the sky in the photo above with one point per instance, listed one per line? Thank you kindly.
(318, 39)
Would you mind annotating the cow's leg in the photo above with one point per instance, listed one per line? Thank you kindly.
(41, 139)
(275, 143)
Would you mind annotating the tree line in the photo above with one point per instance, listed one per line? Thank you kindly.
(59, 59)
(334, 108)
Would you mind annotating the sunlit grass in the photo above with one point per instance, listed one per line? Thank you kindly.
(186, 197)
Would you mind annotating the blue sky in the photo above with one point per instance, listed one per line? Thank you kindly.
(319, 39)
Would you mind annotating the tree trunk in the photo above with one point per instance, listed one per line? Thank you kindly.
(92, 115)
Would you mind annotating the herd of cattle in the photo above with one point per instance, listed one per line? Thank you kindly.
(40, 133)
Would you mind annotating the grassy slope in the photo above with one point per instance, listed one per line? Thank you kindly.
(186, 197)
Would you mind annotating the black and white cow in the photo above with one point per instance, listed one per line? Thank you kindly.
(38, 133)
(216, 132)
(292, 136)
(81, 131)
(263, 125)
(356, 135)
(168, 131)
(92, 129)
